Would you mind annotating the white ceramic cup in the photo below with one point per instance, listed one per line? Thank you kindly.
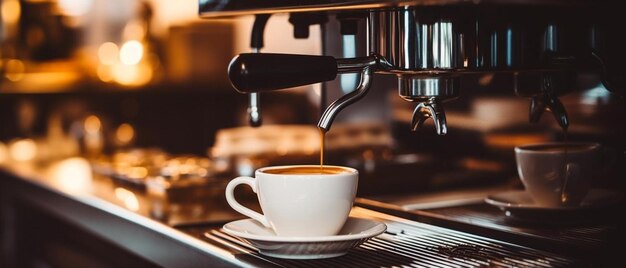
(299, 204)
(555, 176)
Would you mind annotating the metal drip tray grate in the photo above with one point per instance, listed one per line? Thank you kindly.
(411, 244)
(582, 236)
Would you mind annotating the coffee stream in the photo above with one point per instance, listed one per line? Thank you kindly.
(305, 170)
(564, 197)
(310, 170)
(322, 143)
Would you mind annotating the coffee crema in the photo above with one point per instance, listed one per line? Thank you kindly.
(572, 147)
(306, 170)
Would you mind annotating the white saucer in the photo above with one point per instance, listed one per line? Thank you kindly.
(354, 232)
(521, 205)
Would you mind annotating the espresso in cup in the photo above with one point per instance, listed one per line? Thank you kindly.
(300, 200)
(303, 170)
(558, 174)
(559, 147)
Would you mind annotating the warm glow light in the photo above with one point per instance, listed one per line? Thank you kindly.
(131, 52)
(72, 175)
(132, 75)
(14, 70)
(23, 150)
(125, 133)
(104, 73)
(512, 140)
(485, 80)
(282, 150)
(311, 148)
(92, 124)
(108, 53)
(75, 7)
(125, 74)
(10, 11)
(136, 172)
(3, 153)
(134, 30)
(128, 197)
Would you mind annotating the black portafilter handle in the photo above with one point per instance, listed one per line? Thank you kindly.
(255, 72)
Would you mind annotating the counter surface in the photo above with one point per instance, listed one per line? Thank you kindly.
(185, 230)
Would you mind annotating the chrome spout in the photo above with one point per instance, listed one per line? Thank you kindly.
(429, 93)
(548, 102)
(364, 85)
(543, 90)
(430, 109)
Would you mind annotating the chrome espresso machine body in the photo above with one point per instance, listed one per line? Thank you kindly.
(430, 45)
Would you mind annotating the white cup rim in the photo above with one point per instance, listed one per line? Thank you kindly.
(529, 148)
(348, 169)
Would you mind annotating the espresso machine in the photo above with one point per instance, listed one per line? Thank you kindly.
(429, 45)
(432, 49)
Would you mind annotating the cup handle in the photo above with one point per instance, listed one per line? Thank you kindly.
(230, 198)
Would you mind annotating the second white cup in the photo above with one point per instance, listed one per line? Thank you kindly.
(558, 174)
(300, 200)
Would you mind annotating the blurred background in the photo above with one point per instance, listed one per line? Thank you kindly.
(150, 71)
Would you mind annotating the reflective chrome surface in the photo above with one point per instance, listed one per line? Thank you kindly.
(415, 89)
(434, 40)
(329, 114)
(222, 8)
(413, 41)
(254, 109)
(410, 42)
(543, 89)
(349, 65)
(548, 102)
(254, 104)
(430, 109)
(430, 93)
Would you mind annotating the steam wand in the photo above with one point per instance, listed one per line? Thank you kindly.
(256, 42)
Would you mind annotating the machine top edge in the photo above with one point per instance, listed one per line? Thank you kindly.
(230, 8)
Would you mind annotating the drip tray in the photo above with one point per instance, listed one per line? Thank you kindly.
(596, 233)
(410, 244)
